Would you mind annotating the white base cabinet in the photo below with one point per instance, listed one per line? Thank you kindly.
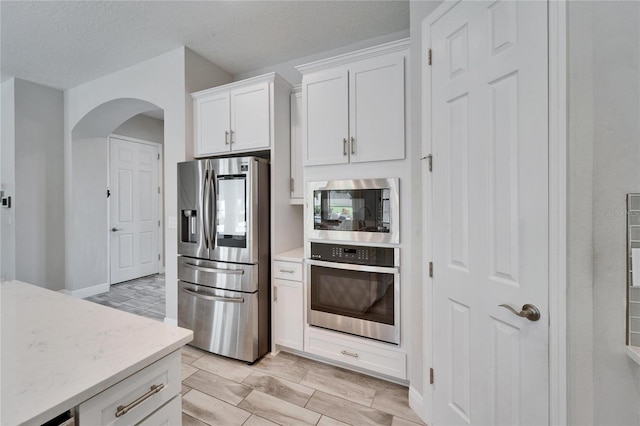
(288, 305)
(361, 353)
(143, 395)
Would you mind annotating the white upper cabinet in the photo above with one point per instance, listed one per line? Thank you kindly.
(354, 106)
(325, 126)
(250, 118)
(297, 180)
(236, 117)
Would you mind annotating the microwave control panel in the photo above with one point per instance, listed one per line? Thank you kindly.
(359, 255)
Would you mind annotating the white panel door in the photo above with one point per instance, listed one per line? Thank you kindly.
(134, 210)
(325, 121)
(376, 109)
(250, 118)
(489, 118)
(212, 125)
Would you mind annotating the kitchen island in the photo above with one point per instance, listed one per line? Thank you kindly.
(57, 352)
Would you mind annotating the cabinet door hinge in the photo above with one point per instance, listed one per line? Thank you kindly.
(431, 269)
(431, 376)
(291, 185)
(428, 56)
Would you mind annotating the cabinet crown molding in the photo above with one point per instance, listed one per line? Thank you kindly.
(346, 58)
(272, 77)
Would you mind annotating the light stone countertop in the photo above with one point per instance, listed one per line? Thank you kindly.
(57, 351)
(295, 255)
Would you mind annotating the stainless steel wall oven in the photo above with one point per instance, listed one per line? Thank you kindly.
(355, 290)
(357, 210)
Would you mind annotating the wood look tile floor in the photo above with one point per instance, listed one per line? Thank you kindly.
(279, 389)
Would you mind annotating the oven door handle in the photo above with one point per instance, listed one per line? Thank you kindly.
(213, 298)
(353, 267)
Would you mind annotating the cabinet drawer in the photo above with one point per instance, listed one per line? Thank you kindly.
(169, 414)
(102, 408)
(287, 270)
(370, 356)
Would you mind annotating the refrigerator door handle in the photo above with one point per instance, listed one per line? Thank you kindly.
(205, 209)
(212, 185)
(215, 270)
(213, 298)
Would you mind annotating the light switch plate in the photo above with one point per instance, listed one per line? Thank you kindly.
(173, 222)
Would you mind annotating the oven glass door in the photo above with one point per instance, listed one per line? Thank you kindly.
(361, 301)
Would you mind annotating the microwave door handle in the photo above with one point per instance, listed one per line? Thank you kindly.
(214, 298)
(214, 270)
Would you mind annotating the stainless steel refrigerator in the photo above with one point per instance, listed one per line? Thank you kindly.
(223, 262)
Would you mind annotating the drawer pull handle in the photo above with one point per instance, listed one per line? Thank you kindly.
(124, 409)
(287, 271)
(353, 354)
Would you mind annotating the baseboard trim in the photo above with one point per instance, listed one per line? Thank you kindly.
(83, 293)
(416, 402)
(170, 321)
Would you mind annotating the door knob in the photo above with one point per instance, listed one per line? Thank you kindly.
(528, 311)
(114, 229)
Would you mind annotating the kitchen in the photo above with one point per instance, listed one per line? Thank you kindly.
(155, 89)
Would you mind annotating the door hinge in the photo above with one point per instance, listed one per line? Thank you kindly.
(158, 190)
(431, 376)
(431, 269)
(428, 56)
(291, 184)
(429, 159)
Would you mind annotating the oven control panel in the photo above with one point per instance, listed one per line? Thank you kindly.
(359, 255)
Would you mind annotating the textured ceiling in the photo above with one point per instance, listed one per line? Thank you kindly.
(65, 43)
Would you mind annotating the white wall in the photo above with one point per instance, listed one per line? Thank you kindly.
(142, 127)
(604, 154)
(288, 71)
(161, 83)
(39, 191)
(7, 179)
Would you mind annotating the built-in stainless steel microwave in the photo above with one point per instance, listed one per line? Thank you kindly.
(357, 210)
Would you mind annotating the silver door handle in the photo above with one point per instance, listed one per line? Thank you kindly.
(353, 145)
(226, 137)
(205, 209)
(231, 135)
(528, 311)
(215, 270)
(287, 271)
(352, 354)
(114, 229)
(214, 298)
(344, 147)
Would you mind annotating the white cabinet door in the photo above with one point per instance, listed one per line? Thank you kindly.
(288, 313)
(326, 115)
(376, 109)
(297, 186)
(250, 118)
(212, 125)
